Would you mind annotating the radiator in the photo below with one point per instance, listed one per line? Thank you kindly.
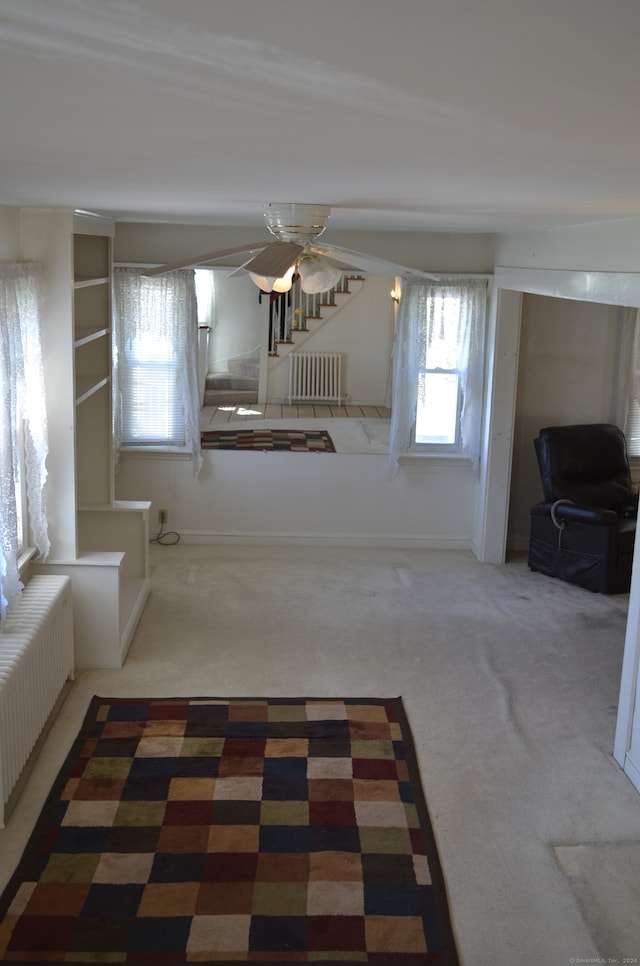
(315, 376)
(36, 659)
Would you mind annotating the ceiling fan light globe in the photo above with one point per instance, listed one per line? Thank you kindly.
(317, 275)
(284, 283)
(264, 283)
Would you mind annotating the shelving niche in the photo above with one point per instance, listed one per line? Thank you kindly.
(107, 555)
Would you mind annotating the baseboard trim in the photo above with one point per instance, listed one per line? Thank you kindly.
(393, 541)
(632, 772)
(134, 619)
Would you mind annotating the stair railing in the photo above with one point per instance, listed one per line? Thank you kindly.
(290, 311)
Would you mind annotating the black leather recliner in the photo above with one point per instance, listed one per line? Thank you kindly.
(584, 530)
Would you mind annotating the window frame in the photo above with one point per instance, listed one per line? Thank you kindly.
(425, 446)
(632, 403)
(158, 377)
(183, 362)
(455, 448)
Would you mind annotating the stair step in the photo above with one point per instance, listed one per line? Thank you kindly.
(230, 380)
(315, 308)
(230, 397)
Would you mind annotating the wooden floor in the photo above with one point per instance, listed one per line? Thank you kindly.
(232, 414)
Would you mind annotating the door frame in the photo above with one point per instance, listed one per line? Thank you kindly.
(490, 535)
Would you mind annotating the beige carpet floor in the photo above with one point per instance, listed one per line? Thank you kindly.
(510, 680)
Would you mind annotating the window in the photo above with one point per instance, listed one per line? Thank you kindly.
(23, 426)
(439, 398)
(155, 353)
(437, 392)
(438, 407)
(153, 412)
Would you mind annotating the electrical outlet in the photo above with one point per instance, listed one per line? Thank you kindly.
(163, 516)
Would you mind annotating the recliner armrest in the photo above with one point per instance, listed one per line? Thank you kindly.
(571, 512)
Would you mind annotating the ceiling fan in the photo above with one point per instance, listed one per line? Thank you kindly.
(274, 264)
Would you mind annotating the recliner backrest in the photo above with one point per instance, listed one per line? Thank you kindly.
(586, 463)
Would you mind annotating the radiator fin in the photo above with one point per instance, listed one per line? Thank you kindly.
(36, 659)
(316, 376)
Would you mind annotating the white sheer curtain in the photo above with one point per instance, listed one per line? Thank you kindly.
(156, 328)
(627, 403)
(418, 325)
(412, 308)
(23, 453)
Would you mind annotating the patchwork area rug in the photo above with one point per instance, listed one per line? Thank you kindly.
(225, 831)
(287, 440)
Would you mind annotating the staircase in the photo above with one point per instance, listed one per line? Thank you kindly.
(294, 322)
(289, 318)
(290, 313)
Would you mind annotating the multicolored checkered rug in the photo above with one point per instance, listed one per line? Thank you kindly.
(225, 831)
(285, 440)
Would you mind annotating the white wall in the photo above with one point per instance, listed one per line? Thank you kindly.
(432, 252)
(608, 247)
(241, 322)
(317, 498)
(566, 374)
(9, 234)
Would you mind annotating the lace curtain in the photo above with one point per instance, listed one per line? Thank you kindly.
(161, 309)
(627, 407)
(418, 325)
(22, 454)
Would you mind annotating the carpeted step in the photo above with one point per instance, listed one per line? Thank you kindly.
(230, 380)
(230, 397)
(230, 389)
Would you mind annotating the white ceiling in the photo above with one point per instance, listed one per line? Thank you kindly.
(427, 115)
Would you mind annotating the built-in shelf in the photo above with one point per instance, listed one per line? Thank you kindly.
(91, 330)
(88, 281)
(86, 386)
(86, 333)
(102, 544)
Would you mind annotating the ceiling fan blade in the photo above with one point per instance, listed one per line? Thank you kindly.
(203, 259)
(274, 260)
(368, 263)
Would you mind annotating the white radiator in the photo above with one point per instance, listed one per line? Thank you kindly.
(36, 659)
(315, 376)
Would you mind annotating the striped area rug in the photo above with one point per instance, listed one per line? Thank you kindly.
(284, 440)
